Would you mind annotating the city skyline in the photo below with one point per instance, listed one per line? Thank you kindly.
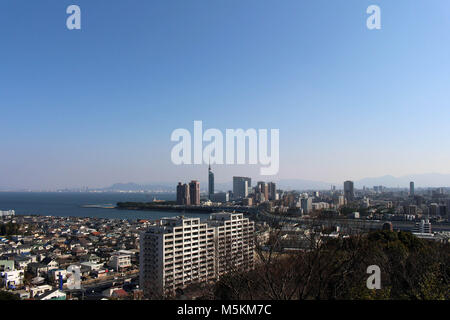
(97, 106)
(432, 180)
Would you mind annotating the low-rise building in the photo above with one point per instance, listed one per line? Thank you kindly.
(39, 290)
(11, 279)
(54, 294)
(120, 260)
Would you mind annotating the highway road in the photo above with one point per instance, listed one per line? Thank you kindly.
(352, 223)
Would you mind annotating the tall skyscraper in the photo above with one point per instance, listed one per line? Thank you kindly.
(306, 205)
(194, 192)
(272, 191)
(241, 185)
(210, 182)
(266, 191)
(411, 189)
(183, 194)
(349, 192)
(263, 190)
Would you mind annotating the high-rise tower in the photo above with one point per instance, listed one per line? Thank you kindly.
(241, 185)
(210, 181)
(349, 192)
(183, 194)
(194, 192)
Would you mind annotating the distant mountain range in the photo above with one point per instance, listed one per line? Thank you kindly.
(429, 180)
(139, 187)
(294, 184)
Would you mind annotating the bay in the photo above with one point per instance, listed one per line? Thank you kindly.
(66, 204)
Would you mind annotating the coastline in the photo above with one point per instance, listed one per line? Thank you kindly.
(169, 208)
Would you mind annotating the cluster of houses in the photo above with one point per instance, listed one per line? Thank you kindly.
(34, 263)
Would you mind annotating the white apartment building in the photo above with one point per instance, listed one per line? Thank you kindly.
(316, 206)
(179, 251)
(234, 241)
(424, 226)
(11, 278)
(7, 214)
(119, 260)
(175, 253)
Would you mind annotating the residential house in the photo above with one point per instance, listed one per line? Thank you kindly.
(55, 294)
(120, 260)
(39, 290)
(11, 279)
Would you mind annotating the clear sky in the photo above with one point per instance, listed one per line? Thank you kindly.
(96, 106)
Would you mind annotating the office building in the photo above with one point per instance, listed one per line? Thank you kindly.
(272, 191)
(262, 191)
(220, 197)
(338, 200)
(349, 192)
(306, 205)
(241, 185)
(411, 189)
(316, 206)
(194, 192)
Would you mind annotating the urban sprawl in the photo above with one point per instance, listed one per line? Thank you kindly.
(179, 257)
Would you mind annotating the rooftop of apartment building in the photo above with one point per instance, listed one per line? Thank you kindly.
(167, 225)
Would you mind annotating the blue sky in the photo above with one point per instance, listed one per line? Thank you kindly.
(97, 106)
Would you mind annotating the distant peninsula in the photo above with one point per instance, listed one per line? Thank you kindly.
(164, 206)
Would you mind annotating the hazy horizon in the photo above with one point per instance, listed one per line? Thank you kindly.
(428, 180)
